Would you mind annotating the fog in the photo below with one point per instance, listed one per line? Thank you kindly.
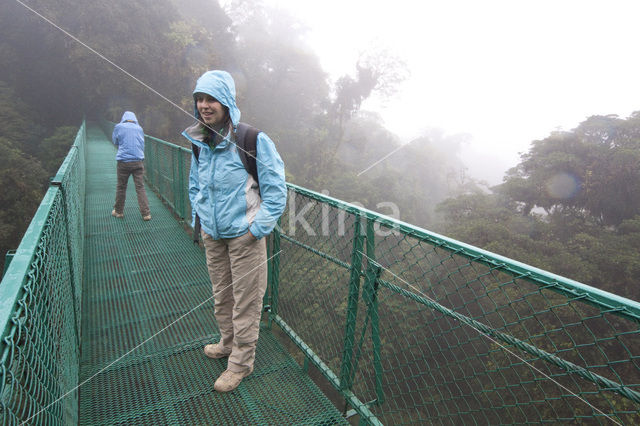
(406, 105)
(504, 72)
(342, 87)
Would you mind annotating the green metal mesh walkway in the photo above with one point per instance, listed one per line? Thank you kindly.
(147, 311)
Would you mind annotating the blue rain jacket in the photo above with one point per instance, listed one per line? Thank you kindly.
(223, 194)
(129, 138)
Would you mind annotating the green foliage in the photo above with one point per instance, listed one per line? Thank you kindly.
(595, 168)
(50, 81)
(281, 86)
(587, 183)
(378, 71)
(325, 140)
(55, 148)
(182, 33)
(23, 183)
(22, 178)
(18, 126)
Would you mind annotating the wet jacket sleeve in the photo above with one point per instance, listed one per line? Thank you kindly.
(194, 186)
(273, 189)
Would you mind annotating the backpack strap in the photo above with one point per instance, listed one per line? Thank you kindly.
(247, 139)
(196, 151)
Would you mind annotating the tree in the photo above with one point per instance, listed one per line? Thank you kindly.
(280, 83)
(19, 126)
(23, 182)
(595, 168)
(54, 149)
(585, 183)
(376, 71)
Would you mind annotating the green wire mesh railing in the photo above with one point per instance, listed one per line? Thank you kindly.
(422, 328)
(410, 326)
(40, 305)
(406, 325)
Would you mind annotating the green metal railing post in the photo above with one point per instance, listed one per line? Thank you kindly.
(176, 179)
(149, 155)
(346, 379)
(182, 186)
(274, 271)
(370, 296)
(266, 300)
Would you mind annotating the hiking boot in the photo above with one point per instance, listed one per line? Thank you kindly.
(215, 351)
(229, 380)
(147, 217)
(115, 214)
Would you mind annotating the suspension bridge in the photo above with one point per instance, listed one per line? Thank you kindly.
(367, 319)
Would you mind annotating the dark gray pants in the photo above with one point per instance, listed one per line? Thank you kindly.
(135, 168)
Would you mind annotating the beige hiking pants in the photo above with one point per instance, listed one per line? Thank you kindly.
(238, 272)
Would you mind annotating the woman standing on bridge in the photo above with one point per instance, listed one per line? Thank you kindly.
(236, 206)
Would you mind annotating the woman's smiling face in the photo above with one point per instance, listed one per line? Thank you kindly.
(212, 112)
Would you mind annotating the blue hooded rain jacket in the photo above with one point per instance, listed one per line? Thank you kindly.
(128, 136)
(223, 194)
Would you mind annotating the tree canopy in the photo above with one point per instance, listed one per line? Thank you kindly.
(571, 206)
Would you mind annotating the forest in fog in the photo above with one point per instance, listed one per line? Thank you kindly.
(570, 206)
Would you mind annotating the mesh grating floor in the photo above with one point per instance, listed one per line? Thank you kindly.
(144, 324)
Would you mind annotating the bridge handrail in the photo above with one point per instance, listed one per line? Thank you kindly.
(40, 299)
(369, 275)
(603, 299)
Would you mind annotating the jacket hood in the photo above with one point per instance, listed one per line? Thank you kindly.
(220, 85)
(128, 115)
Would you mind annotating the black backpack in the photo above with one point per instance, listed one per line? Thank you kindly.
(246, 140)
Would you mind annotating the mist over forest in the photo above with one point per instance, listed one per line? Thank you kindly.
(570, 206)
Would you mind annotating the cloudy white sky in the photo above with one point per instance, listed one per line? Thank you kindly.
(505, 71)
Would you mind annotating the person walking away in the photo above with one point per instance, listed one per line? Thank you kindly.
(128, 136)
(235, 212)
